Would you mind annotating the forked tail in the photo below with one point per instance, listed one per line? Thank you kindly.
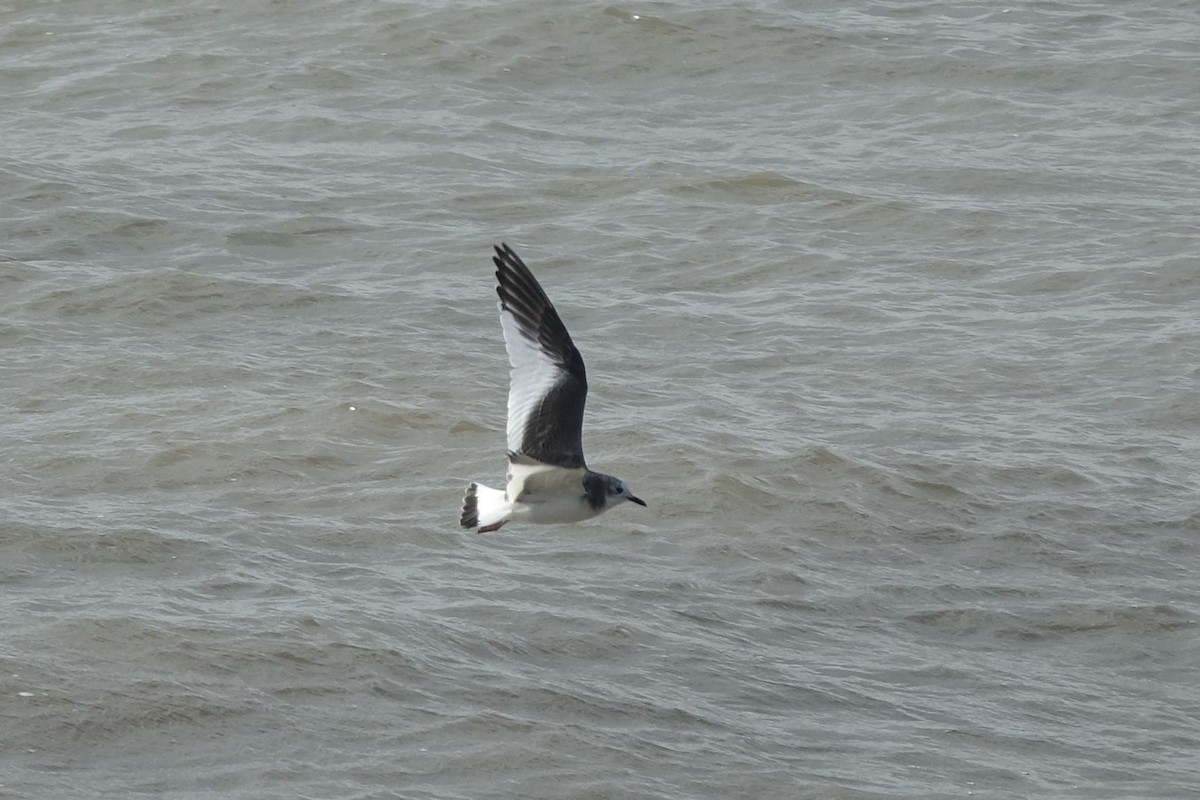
(484, 508)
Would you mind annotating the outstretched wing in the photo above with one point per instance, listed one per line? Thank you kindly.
(548, 385)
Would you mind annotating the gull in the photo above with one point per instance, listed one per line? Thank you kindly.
(548, 480)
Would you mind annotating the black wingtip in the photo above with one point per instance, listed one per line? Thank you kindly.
(504, 253)
(519, 291)
(506, 259)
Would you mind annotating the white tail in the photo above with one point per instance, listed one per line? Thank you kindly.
(484, 507)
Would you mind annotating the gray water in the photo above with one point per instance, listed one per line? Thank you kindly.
(891, 312)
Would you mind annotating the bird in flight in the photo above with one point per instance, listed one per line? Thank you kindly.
(548, 480)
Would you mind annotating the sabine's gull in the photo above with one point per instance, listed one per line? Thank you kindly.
(548, 480)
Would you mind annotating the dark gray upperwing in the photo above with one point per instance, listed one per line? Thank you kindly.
(550, 388)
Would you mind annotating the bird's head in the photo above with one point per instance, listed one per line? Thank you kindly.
(618, 491)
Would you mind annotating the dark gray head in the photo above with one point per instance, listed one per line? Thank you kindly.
(617, 491)
(605, 491)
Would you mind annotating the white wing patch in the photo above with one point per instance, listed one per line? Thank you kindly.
(533, 376)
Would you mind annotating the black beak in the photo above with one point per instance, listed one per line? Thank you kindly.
(637, 500)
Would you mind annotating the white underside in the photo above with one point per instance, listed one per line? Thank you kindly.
(543, 494)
